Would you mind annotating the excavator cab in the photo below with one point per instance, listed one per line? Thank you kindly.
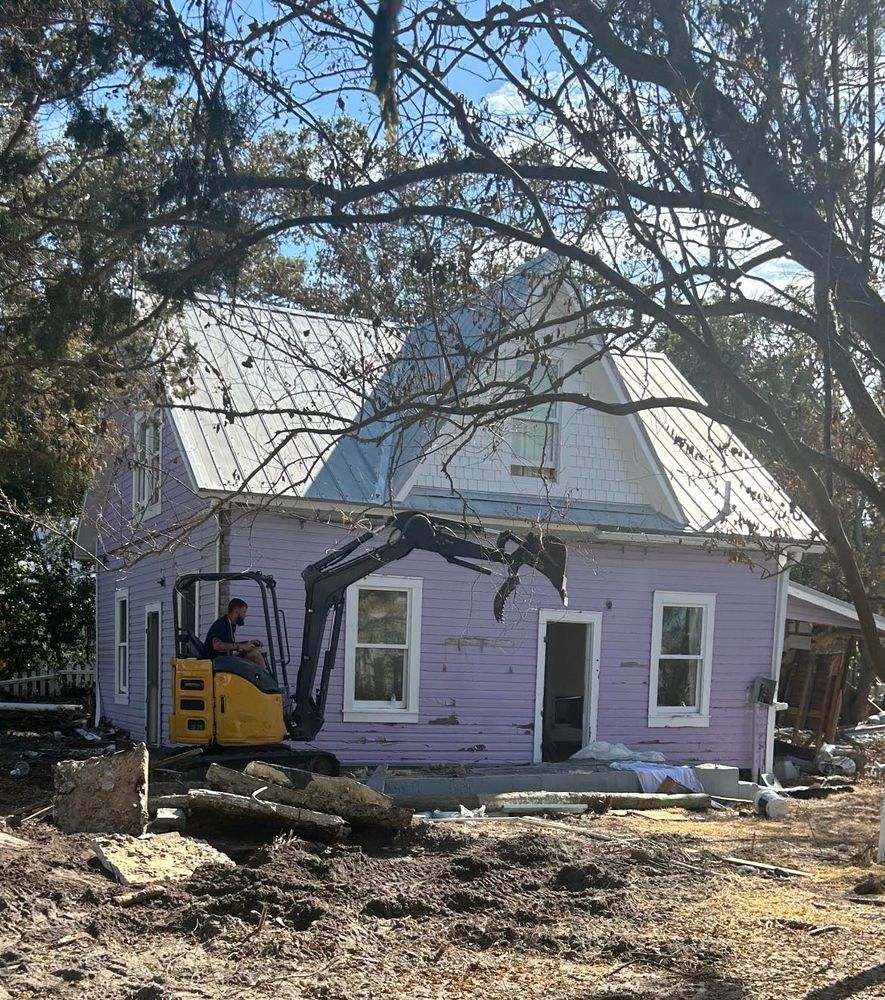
(229, 701)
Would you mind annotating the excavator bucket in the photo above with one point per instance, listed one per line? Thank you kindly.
(541, 552)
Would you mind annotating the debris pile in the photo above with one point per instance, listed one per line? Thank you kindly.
(283, 798)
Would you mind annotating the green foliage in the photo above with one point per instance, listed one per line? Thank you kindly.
(46, 601)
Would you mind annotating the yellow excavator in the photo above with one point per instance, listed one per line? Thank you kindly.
(233, 708)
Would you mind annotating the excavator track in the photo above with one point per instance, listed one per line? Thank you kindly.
(315, 761)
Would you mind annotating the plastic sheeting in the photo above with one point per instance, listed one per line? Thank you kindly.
(607, 752)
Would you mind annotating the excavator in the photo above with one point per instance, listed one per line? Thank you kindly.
(232, 708)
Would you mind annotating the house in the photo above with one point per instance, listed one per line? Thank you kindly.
(679, 541)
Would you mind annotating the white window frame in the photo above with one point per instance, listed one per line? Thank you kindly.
(677, 717)
(361, 711)
(141, 469)
(552, 435)
(121, 678)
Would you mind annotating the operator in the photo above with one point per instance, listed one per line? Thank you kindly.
(222, 636)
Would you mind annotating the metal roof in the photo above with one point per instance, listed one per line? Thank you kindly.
(300, 378)
(809, 605)
(618, 517)
(700, 456)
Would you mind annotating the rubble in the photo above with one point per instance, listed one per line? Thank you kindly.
(103, 794)
(168, 819)
(165, 857)
(317, 826)
(357, 803)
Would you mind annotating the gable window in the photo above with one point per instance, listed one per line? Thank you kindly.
(382, 652)
(534, 438)
(121, 644)
(146, 470)
(681, 659)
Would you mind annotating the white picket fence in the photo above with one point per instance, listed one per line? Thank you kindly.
(36, 686)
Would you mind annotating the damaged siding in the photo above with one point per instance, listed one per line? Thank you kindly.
(478, 678)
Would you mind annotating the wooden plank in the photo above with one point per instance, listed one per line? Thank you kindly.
(317, 826)
(8, 842)
(352, 800)
(767, 868)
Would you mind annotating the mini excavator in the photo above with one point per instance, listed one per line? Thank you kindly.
(234, 709)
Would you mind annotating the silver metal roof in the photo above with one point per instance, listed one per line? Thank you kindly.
(300, 378)
(700, 456)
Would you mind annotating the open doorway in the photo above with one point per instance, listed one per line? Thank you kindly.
(568, 670)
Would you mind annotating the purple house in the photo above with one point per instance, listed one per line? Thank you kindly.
(679, 544)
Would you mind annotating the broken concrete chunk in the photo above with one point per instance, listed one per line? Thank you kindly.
(169, 819)
(164, 857)
(513, 802)
(103, 794)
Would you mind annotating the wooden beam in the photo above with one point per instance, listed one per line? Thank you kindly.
(354, 801)
(316, 826)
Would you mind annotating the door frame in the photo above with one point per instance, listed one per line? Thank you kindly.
(548, 616)
(155, 607)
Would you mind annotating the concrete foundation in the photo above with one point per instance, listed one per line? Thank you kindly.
(422, 790)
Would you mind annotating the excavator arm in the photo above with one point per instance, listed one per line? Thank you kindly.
(327, 580)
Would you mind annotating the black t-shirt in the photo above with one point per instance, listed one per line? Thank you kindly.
(225, 631)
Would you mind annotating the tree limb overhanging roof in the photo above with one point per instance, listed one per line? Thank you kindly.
(294, 381)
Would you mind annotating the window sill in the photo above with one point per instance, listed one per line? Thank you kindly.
(679, 721)
(379, 715)
(121, 699)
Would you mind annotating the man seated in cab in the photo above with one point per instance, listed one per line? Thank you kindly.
(222, 636)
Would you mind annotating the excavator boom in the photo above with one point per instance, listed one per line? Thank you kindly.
(326, 582)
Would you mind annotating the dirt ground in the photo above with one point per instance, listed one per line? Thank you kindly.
(487, 910)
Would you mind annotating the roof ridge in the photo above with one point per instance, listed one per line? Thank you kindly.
(288, 310)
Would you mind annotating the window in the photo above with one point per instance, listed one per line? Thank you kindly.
(382, 650)
(189, 610)
(121, 644)
(681, 659)
(146, 471)
(534, 440)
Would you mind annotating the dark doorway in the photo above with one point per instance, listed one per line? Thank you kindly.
(152, 667)
(566, 681)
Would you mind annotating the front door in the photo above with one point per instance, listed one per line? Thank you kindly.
(152, 672)
(568, 665)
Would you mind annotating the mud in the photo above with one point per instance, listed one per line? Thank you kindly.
(447, 911)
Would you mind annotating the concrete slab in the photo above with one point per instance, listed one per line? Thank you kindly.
(423, 790)
(166, 857)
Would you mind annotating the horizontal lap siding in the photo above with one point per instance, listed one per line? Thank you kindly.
(150, 580)
(143, 581)
(491, 691)
(181, 509)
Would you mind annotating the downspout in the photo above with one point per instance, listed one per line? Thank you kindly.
(723, 513)
(777, 647)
